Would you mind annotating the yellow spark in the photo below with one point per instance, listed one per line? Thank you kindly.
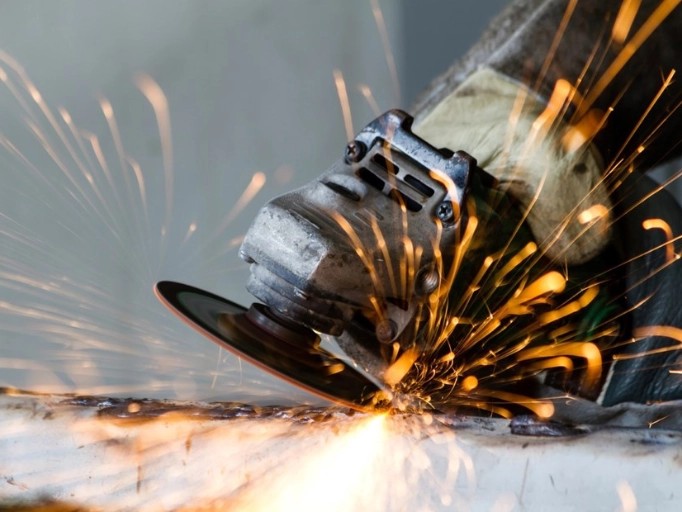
(582, 131)
(65, 115)
(390, 59)
(666, 83)
(593, 213)
(367, 93)
(191, 229)
(667, 331)
(647, 28)
(157, 99)
(450, 356)
(359, 250)
(624, 19)
(588, 351)
(395, 373)
(654, 422)
(255, 185)
(383, 247)
(572, 307)
(553, 362)
(139, 176)
(35, 94)
(549, 283)
(528, 250)
(665, 227)
(342, 92)
(555, 43)
(335, 368)
(555, 106)
(469, 383)
(107, 109)
(542, 408)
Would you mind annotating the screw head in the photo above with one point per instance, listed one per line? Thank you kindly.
(354, 152)
(445, 212)
(386, 331)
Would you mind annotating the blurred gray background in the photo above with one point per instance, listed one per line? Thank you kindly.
(250, 88)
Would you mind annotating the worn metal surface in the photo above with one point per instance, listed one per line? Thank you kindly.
(314, 252)
(113, 454)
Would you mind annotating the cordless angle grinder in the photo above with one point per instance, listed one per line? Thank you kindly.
(398, 254)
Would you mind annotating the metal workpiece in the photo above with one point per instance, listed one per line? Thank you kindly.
(101, 453)
(331, 251)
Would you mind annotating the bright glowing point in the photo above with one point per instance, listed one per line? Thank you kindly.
(395, 373)
(65, 115)
(627, 497)
(623, 24)
(596, 212)
(583, 131)
(35, 94)
(107, 110)
(665, 227)
(469, 383)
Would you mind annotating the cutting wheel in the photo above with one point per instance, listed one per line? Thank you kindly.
(287, 350)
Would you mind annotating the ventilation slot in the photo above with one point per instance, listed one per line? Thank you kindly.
(401, 198)
(371, 179)
(418, 185)
(340, 189)
(386, 165)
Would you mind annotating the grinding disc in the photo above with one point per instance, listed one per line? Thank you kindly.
(270, 342)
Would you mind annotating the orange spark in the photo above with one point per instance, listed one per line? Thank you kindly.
(395, 373)
(572, 307)
(542, 408)
(665, 227)
(593, 213)
(367, 93)
(557, 101)
(624, 19)
(647, 28)
(555, 43)
(666, 83)
(156, 97)
(581, 132)
(553, 362)
(469, 383)
(588, 351)
(551, 282)
(667, 331)
(342, 92)
(390, 59)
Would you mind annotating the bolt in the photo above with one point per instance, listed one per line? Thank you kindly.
(444, 211)
(354, 152)
(385, 331)
(427, 282)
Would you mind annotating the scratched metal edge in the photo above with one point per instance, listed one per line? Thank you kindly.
(573, 417)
